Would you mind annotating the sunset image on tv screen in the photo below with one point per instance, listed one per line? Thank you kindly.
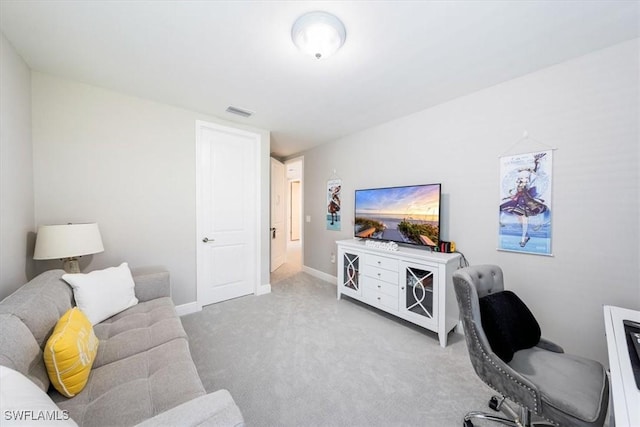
(400, 214)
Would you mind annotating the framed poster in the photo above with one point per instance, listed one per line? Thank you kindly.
(525, 203)
(333, 204)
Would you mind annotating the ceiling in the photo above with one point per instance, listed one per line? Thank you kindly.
(399, 56)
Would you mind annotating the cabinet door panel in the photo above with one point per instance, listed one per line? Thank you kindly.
(419, 293)
(349, 265)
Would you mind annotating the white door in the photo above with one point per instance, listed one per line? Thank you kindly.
(227, 212)
(278, 215)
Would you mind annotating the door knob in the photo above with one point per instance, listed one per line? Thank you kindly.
(206, 239)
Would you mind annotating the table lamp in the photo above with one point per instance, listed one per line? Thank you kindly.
(67, 243)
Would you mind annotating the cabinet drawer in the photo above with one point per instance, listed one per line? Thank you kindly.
(379, 299)
(381, 262)
(386, 288)
(380, 274)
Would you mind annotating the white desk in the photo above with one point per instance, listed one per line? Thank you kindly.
(625, 394)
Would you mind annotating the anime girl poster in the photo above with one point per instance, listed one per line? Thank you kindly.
(525, 203)
(333, 204)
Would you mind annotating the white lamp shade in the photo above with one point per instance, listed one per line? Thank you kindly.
(66, 241)
(318, 34)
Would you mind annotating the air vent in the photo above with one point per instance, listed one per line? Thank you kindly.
(239, 111)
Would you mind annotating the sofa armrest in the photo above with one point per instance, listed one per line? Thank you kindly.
(215, 409)
(150, 286)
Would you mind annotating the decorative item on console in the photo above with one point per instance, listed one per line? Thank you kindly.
(387, 246)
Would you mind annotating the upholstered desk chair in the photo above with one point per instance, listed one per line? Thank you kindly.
(559, 388)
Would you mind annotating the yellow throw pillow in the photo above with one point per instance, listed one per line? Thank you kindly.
(70, 352)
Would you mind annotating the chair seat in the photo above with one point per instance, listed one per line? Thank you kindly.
(571, 387)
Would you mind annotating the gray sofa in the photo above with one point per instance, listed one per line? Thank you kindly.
(143, 372)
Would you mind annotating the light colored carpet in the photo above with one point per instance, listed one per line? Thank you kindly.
(292, 265)
(300, 357)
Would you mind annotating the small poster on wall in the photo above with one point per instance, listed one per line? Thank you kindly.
(525, 203)
(333, 204)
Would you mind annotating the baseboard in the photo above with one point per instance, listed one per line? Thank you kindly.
(320, 274)
(188, 308)
(263, 289)
(192, 307)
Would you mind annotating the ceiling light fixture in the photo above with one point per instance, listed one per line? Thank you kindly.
(319, 34)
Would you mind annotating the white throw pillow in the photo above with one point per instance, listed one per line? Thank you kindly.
(102, 293)
(22, 403)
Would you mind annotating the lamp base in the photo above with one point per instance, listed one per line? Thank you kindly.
(71, 265)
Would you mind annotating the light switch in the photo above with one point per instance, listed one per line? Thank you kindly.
(308, 218)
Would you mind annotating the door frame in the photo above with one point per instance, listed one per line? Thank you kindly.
(298, 183)
(297, 159)
(283, 212)
(256, 138)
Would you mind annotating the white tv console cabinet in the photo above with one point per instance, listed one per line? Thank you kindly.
(410, 283)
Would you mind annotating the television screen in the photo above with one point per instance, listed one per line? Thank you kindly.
(409, 214)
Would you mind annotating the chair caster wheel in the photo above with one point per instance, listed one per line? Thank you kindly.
(467, 423)
(493, 404)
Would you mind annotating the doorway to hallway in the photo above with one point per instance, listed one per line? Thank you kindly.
(294, 227)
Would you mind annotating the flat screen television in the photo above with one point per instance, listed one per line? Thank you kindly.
(409, 214)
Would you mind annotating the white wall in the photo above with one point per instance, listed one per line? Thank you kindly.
(129, 165)
(588, 109)
(16, 171)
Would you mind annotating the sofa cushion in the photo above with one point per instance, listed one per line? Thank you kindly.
(22, 403)
(40, 303)
(151, 284)
(27, 318)
(137, 329)
(20, 351)
(213, 409)
(70, 352)
(102, 293)
(130, 390)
